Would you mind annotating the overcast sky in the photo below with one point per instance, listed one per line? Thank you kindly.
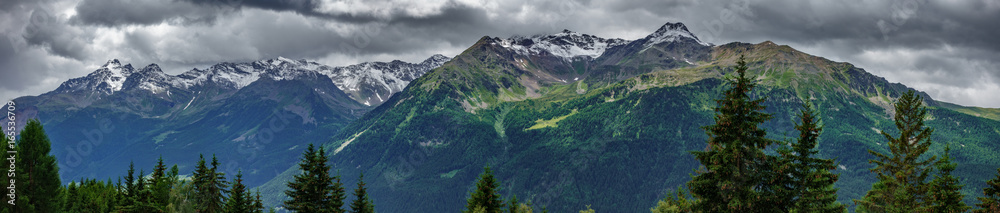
(949, 49)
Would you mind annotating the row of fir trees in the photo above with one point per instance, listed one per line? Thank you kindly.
(38, 187)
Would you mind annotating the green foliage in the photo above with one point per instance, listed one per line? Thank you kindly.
(737, 175)
(209, 186)
(588, 210)
(181, 197)
(239, 198)
(945, 193)
(487, 195)
(811, 184)
(89, 195)
(673, 204)
(513, 206)
(990, 202)
(314, 189)
(362, 203)
(160, 184)
(37, 177)
(901, 185)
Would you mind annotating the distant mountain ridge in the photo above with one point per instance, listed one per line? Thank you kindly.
(233, 110)
(368, 83)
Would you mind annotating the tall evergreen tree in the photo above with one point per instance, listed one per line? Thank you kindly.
(160, 185)
(37, 179)
(314, 190)
(737, 175)
(486, 196)
(199, 180)
(990, 202)
(329, 188)
(362, 203)
(239, 198)
(811, 182)
(945, 194)
(303, 194)
(902, 174)
(332, 188)
(209, 187)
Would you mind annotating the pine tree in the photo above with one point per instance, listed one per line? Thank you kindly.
(486, 195)
(811, 182)
(72, 202)
(160, 185)
(37, 179)
(329, 188)
(301, 190)
(258, 205)
(990, 202)
(945, 194)
(337, 196)
(239, 198)
(362, 203)
(737, 175)
(512, 205)
(199, 180)
(314, 190)
(209, 187)
(901, 185)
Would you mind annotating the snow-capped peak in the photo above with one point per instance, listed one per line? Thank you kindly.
(435, 61)
(566, 44)
(363, 81)
(671, 32)
(106, 79)
(112, 63)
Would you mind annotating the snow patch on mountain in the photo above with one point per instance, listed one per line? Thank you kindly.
(380, 77)
(566, 45)
(375, 78)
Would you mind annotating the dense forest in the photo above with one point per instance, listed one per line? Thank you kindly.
(741, 170)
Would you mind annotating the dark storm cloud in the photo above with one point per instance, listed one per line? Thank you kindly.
(45, 30)
(144, 12)
(302, 7)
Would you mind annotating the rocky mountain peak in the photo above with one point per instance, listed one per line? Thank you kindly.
(671, 32)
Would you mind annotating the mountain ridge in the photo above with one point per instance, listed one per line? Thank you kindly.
(566, 144)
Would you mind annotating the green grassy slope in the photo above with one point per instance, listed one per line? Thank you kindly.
(618, 146)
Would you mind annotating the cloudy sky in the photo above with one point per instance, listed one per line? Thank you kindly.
(947, 48)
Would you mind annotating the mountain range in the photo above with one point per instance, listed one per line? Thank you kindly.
(251, 114)
(569, 120)
(564, 120)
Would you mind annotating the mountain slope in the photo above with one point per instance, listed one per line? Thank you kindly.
(617, 138)
(254, 115)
